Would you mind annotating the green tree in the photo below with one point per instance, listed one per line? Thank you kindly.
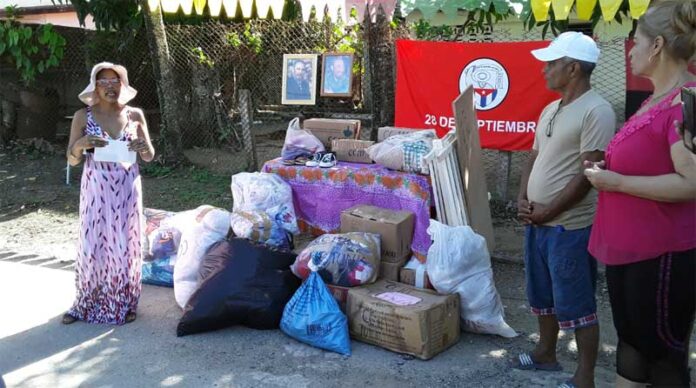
(32, 50)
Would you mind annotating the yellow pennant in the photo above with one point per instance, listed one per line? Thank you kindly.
(215, 6)
(246, 7)
(561, 8)
(638, 7)
(263, 6)
(540, 8)
(153, 4)
(230, 7)
(585, 8)
(186, 6)
(199, 6)
(609, 8)
(170, 6)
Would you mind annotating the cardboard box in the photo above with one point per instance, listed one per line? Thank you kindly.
(348, 150)
(394, 227)
(408, 276)
(390, 271)
(403, 319)
(328, 129)
(340, 294)
(387, 132)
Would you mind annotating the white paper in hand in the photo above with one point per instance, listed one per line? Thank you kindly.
(115, 151)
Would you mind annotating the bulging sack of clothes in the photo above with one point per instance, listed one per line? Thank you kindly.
(241, 283)
(347, 260)
(258, 226)
(404, 152)
(312, 316)
(255, 192)
(458, 261)
(160, 247)
(200, 228)
(299, 142)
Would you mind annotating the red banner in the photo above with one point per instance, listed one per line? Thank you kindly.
(510, 90)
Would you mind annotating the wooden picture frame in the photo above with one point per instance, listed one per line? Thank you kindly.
(337, 75)
(299, 82)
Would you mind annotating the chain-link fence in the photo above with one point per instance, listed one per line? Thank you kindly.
(61, 85)
(213, 61)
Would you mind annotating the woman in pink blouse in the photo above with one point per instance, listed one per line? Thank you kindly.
(645, 227)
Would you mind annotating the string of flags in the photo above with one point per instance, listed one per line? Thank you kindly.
(584, 8)
(333, 9)
(341, 9)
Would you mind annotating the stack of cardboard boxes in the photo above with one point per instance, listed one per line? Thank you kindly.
(326, 130)
(393, 315)
(389, 314)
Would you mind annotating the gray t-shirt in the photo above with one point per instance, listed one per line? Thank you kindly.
(586, 124)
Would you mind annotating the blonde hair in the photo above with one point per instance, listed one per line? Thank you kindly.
(675, 22)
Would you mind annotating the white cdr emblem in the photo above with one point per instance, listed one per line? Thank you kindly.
(490, 82)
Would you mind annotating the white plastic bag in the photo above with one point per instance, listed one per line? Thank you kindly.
(299, 142)
(200, 228)
(404, 152)
(458, 261)
(263, 192)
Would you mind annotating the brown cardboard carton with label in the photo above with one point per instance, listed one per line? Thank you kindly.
(403, 319)
(384, 133)
(390, 271)
(410, 277)
(394, 227)
(328, 129)
(348, 150)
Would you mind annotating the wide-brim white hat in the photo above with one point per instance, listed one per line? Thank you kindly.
(89, 97)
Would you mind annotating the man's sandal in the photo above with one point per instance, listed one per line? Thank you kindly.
(525, 362)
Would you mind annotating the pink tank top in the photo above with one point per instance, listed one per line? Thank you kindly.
(628, 229)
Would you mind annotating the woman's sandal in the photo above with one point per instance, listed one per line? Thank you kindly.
(68, 319)
(130, 317)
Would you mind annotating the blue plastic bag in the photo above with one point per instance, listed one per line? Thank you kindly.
(312, 316)
(159, 272)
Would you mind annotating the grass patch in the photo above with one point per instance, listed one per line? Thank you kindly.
(185, 188)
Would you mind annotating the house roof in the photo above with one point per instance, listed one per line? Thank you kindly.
(33, 7)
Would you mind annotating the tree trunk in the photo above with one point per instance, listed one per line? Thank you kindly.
(166, 89)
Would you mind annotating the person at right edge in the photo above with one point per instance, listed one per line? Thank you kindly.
(645, 229)
(557, 203)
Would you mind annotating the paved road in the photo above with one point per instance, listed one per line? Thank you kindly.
(37, 351)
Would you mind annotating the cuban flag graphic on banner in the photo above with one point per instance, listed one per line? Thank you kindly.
(484, 94)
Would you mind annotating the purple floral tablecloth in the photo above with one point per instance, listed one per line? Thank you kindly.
(320, 194)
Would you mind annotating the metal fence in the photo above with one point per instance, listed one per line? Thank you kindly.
(213, 61)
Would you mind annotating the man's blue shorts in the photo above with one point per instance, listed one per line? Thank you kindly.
(561, 275)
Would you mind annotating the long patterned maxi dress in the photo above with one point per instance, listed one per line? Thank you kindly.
(109, 258)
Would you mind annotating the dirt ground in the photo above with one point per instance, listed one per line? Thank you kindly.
(38, 225)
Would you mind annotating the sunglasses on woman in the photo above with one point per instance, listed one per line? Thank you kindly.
(108, 81)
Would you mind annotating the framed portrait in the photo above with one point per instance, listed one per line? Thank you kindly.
(337, 75)
(299, 79)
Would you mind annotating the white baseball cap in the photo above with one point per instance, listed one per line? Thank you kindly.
(569, 44)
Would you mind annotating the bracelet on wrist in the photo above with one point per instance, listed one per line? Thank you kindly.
(73, 155)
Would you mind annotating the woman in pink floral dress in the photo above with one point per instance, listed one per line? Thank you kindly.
(109, 254)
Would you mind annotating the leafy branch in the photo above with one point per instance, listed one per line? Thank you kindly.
(32, 50)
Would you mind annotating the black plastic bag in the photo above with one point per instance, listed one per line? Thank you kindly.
(240, 283)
